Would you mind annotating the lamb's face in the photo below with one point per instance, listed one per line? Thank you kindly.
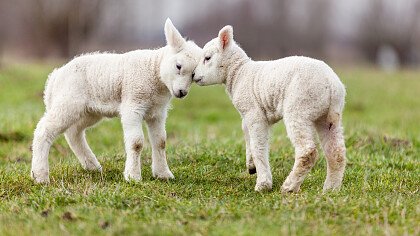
(178, 64)
(211, 68)
(177, 69)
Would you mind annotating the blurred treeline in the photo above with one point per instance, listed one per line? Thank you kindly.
(381, 32)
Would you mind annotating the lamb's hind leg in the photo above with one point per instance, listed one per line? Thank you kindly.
(76, 138)
(49, 127)
(302, 135)
(249, 162)
(332, 140)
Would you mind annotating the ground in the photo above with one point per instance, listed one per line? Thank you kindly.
(213, 194)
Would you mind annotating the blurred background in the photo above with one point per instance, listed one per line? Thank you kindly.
(384, 33)
(373, 45)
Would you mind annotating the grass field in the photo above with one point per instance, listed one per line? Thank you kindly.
(213, 194)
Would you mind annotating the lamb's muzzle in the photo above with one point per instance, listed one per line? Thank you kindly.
(181, 93)
(198, 79)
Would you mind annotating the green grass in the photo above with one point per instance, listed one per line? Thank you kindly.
(213, 193)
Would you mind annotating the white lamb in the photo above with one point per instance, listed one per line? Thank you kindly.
(137, 86)
(304, 92)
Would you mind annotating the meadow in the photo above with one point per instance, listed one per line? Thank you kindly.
(212, 193)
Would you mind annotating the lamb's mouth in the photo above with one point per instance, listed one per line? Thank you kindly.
(199, 82)
(180, 93)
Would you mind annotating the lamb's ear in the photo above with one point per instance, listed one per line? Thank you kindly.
(173, 37)
(226, 36)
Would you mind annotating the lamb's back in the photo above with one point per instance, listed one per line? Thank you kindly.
(101, 73)
(270, 83)
(306, 86)
(101, 81)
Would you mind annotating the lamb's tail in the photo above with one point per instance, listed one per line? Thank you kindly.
(49, 88)
(337, 96)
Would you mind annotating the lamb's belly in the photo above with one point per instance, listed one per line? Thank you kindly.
(273, 116)
(105, 101)
(109, 109)
(272, 107)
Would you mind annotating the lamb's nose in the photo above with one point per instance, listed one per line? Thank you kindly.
(198, 79)
(182, 93)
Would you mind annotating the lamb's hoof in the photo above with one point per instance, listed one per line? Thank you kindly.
(136, 177)
(290, 186)
(93, 167)
(331, 186)
(263, 186)
(40, 177)
(165, 175)
(252, 171)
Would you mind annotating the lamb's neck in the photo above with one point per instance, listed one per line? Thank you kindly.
(234, 66)
(156, 64)
(157, 61)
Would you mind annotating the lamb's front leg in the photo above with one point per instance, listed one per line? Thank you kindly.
(131, 120)
(249, 162)
(157, 137)
(258, 134)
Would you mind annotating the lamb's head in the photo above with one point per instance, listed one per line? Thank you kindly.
(212, 68)
(178, 64)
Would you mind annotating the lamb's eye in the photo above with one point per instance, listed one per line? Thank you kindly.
(178, 66)
(193, 74)
(207, 58)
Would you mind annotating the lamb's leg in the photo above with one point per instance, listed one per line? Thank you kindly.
(301, 134)
(258, 134)
(157, 137)
(249, 162)
(131, 120)
(49, 127)
(75, 137)
(332, 141)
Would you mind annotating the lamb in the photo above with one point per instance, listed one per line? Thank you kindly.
(304, 92)
(136, 86)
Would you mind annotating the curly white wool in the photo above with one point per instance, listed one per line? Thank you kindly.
(137, 86)
(304, 92)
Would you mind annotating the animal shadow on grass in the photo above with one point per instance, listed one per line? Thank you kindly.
(73, 173)
(236, 182)
(232, 180)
